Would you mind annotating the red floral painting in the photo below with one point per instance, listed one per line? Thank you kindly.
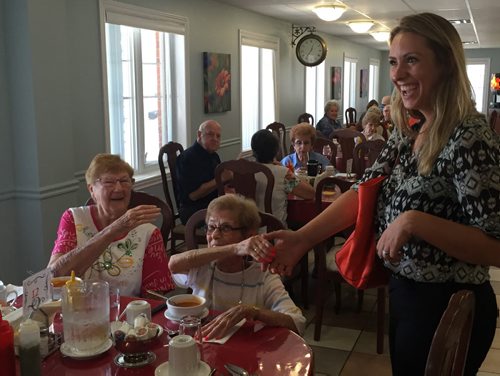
(217, 82)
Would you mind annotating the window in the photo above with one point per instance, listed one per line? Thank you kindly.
(145, 82)
(315, 91)
(258, 56)
(373, 79)
(349, 82)
(478, 72)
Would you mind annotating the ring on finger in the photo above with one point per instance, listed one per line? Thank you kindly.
(385, 253)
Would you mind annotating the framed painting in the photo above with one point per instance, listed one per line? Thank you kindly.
(336, 83)
(363, 83)
(216, 82)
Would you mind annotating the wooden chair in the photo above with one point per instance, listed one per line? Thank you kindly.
(495, 121)
(305, 118)
(450, 344)
(365, 154)
(350, 116)
(327, 271)
(143, 198)
(244, 181)
(172, 151)
(345, 138)
(280, 131)
(320, 142)
(192, 241)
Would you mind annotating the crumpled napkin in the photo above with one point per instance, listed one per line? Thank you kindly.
(224, 339)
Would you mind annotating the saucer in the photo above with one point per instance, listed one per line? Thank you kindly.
(203, 369)
(68, 351)
(204, 314)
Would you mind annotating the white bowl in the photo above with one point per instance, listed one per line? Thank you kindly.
(185, 305)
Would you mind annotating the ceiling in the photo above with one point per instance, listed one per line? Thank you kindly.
(484, 28)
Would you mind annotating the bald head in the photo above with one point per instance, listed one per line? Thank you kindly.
(209, 135)
(386, 100)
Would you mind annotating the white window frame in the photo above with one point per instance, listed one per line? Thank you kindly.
(248, 38)
(134, 16)
(486, 84)
(374, 77)
(315, 88)
(350, 81)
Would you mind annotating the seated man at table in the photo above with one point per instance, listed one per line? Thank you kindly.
(302, 137)
(227, 275)
(195, 170)
(109, 241)
(265, 147)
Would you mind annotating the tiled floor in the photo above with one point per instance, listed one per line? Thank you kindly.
(347, 345)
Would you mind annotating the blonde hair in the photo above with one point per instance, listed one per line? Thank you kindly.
(303, 130)
(245, 210)
(104, 163)
(371, 117)
(454, 87)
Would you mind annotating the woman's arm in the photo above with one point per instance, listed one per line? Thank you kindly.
(292, 245)
(82, 257)
(465, 243)
(255, 246)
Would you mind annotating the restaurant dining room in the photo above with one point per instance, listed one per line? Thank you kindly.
(210, 165)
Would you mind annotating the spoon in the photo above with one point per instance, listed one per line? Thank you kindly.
(235, 370)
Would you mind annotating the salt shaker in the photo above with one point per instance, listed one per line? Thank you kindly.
(29, 349)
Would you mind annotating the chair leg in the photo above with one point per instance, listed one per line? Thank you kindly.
(380, 319)
(338, 294)
(304, 276)
(361, 294)
(320, 305)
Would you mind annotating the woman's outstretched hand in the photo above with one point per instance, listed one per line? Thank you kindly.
(220, 326)
(289, 246)
(137, 216)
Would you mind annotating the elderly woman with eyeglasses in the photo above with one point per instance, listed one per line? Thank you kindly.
(109, 241)
(228, 273)
(302, 137)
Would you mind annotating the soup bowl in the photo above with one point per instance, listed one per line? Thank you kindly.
(182, 305)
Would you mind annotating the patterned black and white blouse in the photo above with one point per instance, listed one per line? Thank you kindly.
(464, 186)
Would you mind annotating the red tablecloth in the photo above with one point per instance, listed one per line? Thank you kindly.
(269, 351)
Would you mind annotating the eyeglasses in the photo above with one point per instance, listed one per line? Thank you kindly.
(299, 143)
(223, 228)
(111, 183)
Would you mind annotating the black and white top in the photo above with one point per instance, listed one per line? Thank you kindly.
(463, 186)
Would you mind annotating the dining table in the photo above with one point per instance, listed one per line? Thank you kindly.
(261, 350)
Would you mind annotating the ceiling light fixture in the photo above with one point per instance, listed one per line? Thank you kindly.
(381, 36)
(329, 12)
(360, 26)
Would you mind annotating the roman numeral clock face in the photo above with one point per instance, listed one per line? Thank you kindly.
(311, 50)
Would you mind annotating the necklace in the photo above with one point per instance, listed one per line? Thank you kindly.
(242, 283)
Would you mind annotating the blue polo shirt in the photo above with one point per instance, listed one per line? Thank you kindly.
(312, 155)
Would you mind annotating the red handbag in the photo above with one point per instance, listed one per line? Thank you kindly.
(357, 260)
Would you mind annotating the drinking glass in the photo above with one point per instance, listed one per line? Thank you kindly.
(114, 303)
(191, 326)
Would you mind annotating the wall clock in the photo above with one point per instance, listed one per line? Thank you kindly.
(311, 50)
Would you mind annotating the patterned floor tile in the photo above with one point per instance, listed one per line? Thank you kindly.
(333, 337)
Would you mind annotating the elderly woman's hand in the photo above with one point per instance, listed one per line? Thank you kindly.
(219, 326)
(257, 247)
(137, 216)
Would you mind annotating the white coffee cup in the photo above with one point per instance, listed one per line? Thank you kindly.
(183, 356)
(4, 296)
(136, 308)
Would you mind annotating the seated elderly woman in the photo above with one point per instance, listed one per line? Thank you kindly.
(109, 241)
(226, 275)
(265, 147)
(302, 137)
(371, 123)
(329, 122)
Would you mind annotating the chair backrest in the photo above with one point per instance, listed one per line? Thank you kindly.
(345, 138)
(305, 118)
(340, 186)
(279, 130)
(266, 220)
(244, 181)
(495, 121)
(365, 154)
(143, 198)
(350, 115)
(450, 344)
(172, 150)
(320, 142)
